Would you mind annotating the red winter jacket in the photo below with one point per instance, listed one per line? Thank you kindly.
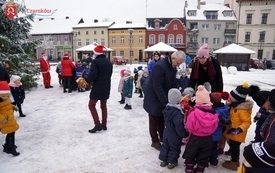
(44, 65)
(67, 67)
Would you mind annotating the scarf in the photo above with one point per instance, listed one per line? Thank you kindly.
(13, 84)
(177, 106)
(207, 65)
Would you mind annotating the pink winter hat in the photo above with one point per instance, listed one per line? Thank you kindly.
(203, 51)
(202, 96)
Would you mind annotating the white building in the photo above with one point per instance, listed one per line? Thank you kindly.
(256, 26)
(214, 24)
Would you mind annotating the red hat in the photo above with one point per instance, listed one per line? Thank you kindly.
(4, 88)
(99, 49)
(216, 97)
(43, 53)
(66, 55)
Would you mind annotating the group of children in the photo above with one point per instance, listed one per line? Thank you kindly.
(201, 119)
(12, 96)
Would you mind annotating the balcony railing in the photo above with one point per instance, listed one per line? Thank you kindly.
(190, 32)
(230, 32)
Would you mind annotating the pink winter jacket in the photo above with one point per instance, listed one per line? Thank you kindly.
(202, 121)
(120, 84)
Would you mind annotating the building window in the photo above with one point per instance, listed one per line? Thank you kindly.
(140, 31)
(95, 40)
(247, 37)
(204, 40)
(226, 26)
(94, 32)
(122, 31)
(227, 13)
(216, 40)
(205, 26)
(58, 38)
(79, 42)
(121, 39)
(262, 36)
(87, 32)
(140, 39)
(161, 38)
(131, 53)
(179, 38)
(260, 54)
(248, 18)
(152, 39)
(121, 53)
(113, 32)
(87, 42)
(131, 39)
(102, 32)
(211, 15)
(175, 27)
(157, 25)
(50, 39)
(66, 38)
(217, 27)
(102, 41)
(78, 33)
(273, 54)
(113, 53)
(170, 39)
(264, 18)
(192, 13)
(228, 40)
(194, 25)
(113, 40)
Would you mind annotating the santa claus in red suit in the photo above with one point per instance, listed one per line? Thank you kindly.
(45, 70)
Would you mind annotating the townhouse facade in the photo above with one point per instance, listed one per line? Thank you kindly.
(167, 30)
(214, 24)
(256, 26)
(128, 40)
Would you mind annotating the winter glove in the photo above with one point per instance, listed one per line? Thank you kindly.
(224, 121)
(235, 131)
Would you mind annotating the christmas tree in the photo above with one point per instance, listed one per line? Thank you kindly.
(16, 50)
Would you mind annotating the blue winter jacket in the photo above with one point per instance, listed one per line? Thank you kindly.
(188, 60)
(223, 112)
(183, 83)
(151, 65)
(78, 71)
(264, 115)
(144, 82)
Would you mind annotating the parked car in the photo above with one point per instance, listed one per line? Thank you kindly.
(256, 63)
(270, 64)
(119, 60)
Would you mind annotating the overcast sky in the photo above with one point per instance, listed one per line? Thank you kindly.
(115, 10)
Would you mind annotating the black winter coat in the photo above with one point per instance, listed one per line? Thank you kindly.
(18, 94)
(100, 77)
(162, 79)
(4, 75)
(216, 84)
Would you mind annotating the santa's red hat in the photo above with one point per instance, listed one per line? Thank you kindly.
(66, 55)
(4, 88)
(99, 49)
(43, 53)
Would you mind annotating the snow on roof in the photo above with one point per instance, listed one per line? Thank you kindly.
(91, 47)
(234, 49)
(130, 25)
(56, 26)
(94, 25)
(220, 8)
(160, 47)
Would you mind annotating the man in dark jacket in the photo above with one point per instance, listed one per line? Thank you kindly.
(4, 75)
(162, 79)
(100, 78)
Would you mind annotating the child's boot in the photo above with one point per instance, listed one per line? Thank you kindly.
(9, 147)
(171, 165)
(199, 169)
(189, 168)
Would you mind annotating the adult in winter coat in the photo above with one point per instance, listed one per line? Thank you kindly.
(67, 72)
(162, 79)
(4, 75)
(100, 77)
(206, 69)
(156, 58)
(45, 70)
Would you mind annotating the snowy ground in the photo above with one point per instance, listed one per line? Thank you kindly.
(54, 136)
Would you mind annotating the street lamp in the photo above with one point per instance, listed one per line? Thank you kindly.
(261, 40)
(194, 30)
(131, 40)
(74, 44)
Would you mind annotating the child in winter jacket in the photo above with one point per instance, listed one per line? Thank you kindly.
(259, 157)
(120, 86)
(128, 88)
(182, 79)
(79, 73)
(240, 116)
(18, 93)
(144, 80)
(138, 86)
(223, 115)
(260, 98)
(267, 130)
(58, 71)
(201, 122)
(8, 124)
(174, 130)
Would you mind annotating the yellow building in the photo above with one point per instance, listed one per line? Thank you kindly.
(122, 45)
(88, 33)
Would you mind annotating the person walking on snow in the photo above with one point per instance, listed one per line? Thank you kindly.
(45, 70)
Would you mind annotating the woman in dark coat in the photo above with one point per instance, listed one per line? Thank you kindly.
(100, 78)
(206, 69)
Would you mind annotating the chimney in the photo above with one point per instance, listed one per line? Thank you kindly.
(128, 22)
(186, 4)
(95, 21)
(67, 17)
(199, 5)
